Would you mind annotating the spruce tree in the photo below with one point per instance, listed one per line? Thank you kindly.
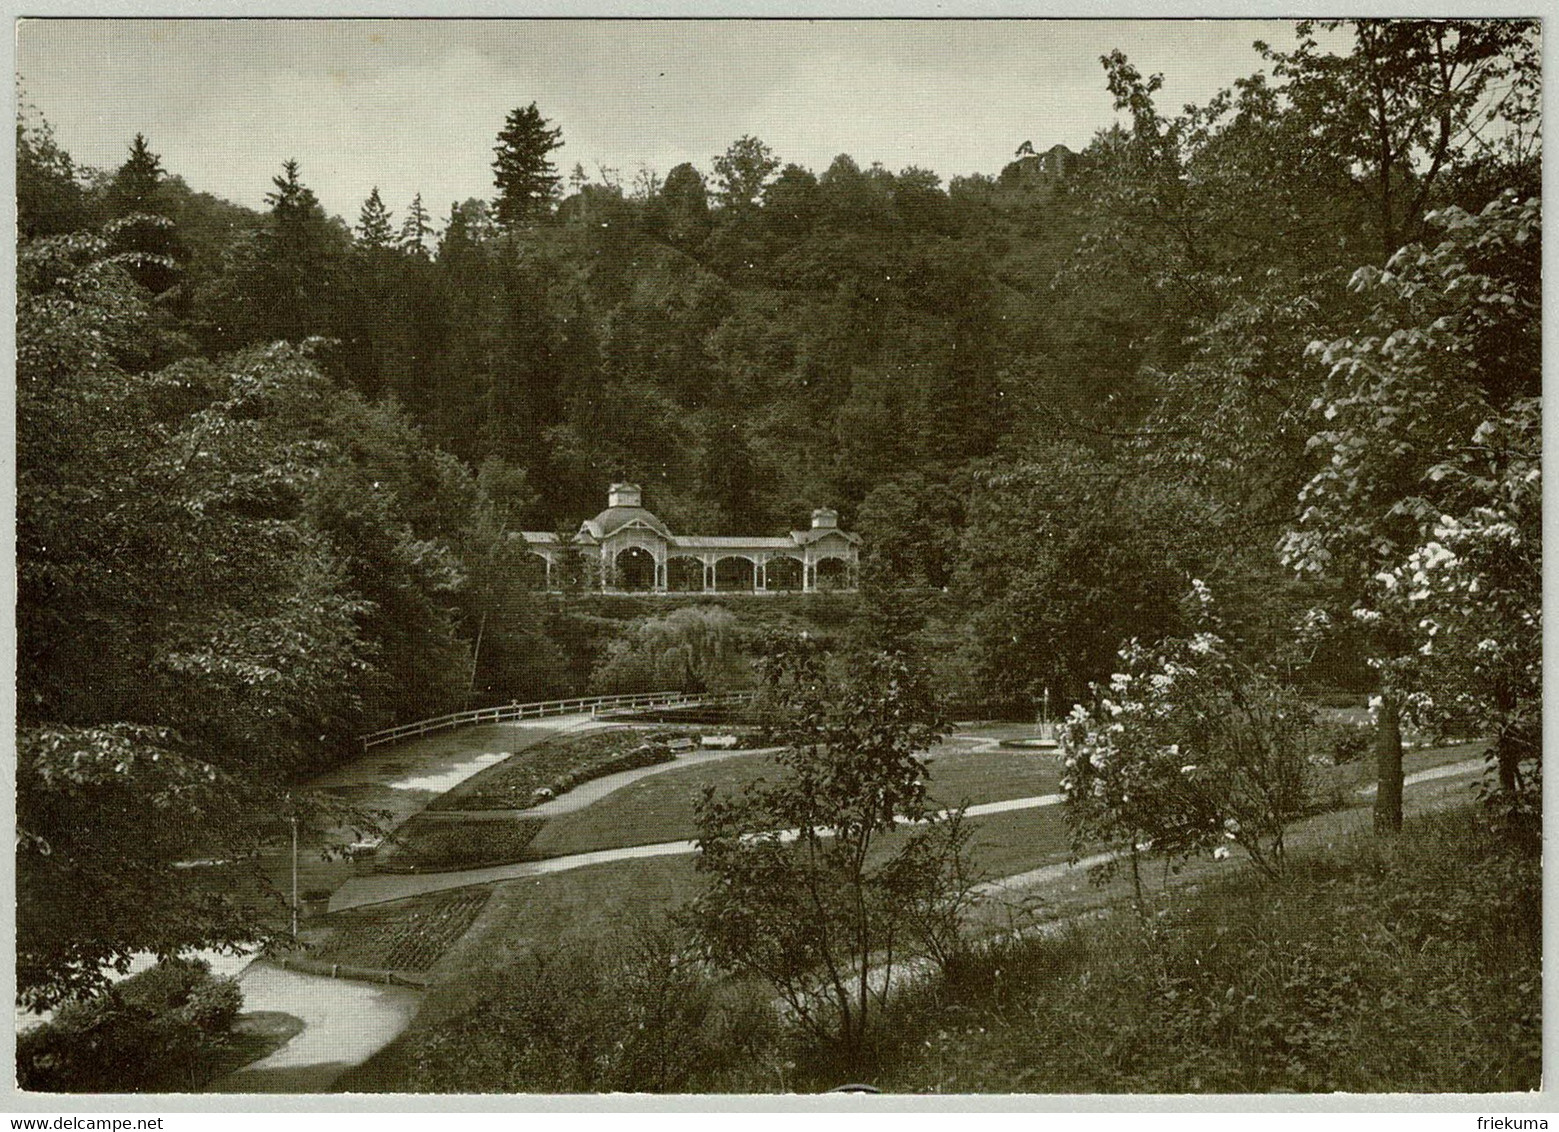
(139, 231)
(136, 183)
(298, 256)
(416, 229)
(526, 180)
(373, 223)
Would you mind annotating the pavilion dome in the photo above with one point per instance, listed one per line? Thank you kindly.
(625, 505)
(615, 518)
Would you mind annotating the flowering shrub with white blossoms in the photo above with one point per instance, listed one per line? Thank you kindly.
(1187, 751)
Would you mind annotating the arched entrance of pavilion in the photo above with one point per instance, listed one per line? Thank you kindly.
(634, 569)
(735, 574)
(784, 573)
(832, 574)
(684, 574)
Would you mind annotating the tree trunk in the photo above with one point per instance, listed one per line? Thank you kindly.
(1388, 765)
(476, 653)
(1508, 759)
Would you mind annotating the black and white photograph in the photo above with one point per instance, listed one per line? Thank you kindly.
(778, 558)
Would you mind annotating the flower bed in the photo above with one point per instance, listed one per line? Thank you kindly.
(430, 844)
(410, 936)
(559, 764)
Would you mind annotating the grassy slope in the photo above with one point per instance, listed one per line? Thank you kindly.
(593, 901)
(1407, 965)
(584, 903)
(660, 808)
(657, 808)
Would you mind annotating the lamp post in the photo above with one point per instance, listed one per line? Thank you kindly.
(294, 878)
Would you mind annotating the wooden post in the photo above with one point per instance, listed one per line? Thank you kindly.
(294, 878)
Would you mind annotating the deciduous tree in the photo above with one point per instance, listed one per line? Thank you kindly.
(1446, 361)
(806, 891)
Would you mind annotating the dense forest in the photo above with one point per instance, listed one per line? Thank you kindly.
(1285, 343)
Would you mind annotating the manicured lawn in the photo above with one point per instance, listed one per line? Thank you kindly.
(560, 763)
(1005, 844)
(658, 808)
(960, 775)
(538, 912)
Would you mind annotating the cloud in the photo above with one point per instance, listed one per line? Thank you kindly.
(416, 105)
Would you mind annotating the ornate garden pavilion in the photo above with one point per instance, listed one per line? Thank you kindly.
(630, 550)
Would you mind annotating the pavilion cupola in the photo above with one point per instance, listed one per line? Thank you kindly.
(824, 517)
(625, 495)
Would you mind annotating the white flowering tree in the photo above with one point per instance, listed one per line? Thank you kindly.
(1472, 593)
(1186, 751)
(1428, 503)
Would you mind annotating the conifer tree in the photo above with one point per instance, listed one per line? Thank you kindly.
(526, 180)
(298, 256)
(416, 229)
(373, 223)
(139, 231)
(136, 183)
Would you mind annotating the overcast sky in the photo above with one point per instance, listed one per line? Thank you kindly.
(414, 105)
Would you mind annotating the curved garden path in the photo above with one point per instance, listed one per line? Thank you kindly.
(382, 887)
(594, 790)
(344, 1023)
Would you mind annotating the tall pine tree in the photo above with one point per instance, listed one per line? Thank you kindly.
(136, 183)
(298, 259)
(416, 229)
(143, 238)
(525, 178)
(373, 223)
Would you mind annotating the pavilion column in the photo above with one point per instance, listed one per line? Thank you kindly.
(660, 575)
(760, 579)
(808, 575)
(709, 576)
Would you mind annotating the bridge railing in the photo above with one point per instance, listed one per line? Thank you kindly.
(595, 705)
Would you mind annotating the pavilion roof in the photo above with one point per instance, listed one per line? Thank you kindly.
(732, 542)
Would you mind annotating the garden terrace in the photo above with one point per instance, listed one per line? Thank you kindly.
(558, 764)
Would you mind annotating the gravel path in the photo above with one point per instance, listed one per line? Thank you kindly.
(597, 788)
(344, 1023)
(383, 887)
